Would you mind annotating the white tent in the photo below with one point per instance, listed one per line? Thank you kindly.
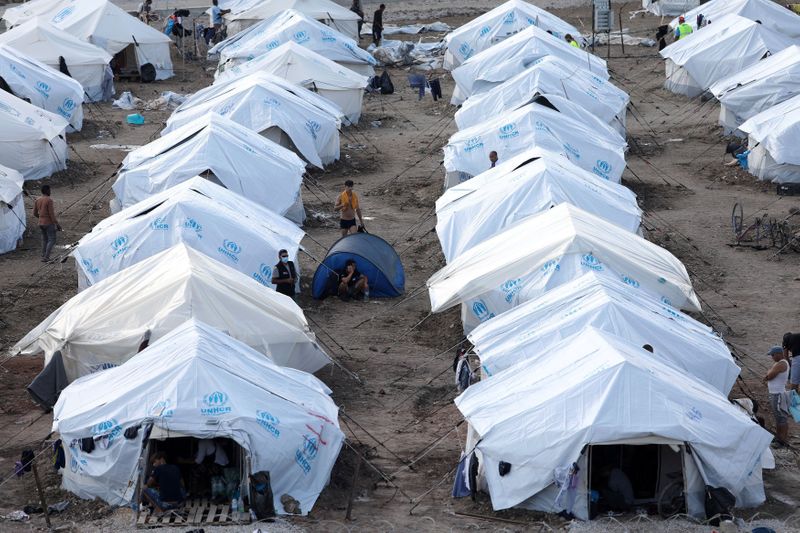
(774, 16)
(326, 12)
(42, 86)
(757, 88)
(104, 325)
(669, 8)
(235, 230)
(549, 76)
(773, 138)
(32, 140)
(499, 24)
(87, 63)
(284, 113)
(528, 331)
(306, 68)
(467, 152)
(597, 390)
(12, 209)
(505, 60)
(291, 25)
(473, 211)
(546, 250)
(729, 45)
(236, 157)
(198, 382)
(102, 23)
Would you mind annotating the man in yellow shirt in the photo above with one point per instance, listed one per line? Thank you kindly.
(348, 206)
(571, 40)
(682, 29)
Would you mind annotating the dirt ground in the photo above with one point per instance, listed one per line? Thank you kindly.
(398, 413)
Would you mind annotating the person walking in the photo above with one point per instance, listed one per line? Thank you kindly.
(284, 275)
(776, 379)
(356, 8)
(377, 25)
(44, 210)
(348, 206)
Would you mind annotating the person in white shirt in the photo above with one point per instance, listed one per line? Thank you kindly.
(776, 380)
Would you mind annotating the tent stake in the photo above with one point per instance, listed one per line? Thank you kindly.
(42, 498)
(353, 488)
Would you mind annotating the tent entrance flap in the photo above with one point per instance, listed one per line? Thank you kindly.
(624, 477)
(124, 64)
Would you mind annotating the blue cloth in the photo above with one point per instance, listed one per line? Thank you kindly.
(461, 483)
(215, 14)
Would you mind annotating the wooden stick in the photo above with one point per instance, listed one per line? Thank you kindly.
(42, 498)
(353, 488)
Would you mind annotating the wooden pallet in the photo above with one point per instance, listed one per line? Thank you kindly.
(196, 512)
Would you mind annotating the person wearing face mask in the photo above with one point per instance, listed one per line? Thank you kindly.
(284, 275)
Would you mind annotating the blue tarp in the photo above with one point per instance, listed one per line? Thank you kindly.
(374, 258)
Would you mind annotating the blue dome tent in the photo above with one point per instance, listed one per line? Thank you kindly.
(374, 257)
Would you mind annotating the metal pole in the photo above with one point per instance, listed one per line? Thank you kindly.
(621, 38)
(42, 498)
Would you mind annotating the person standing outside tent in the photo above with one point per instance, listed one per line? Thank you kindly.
(348, 206)
(284, 275)
(44, 210)
(791, 344)
(682, 29)
(215, 19)
(357, 8)
(571, 40)
(493, 158)
(377, 25)
(776, 379)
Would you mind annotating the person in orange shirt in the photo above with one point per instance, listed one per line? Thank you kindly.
(44, 210)
(348, 206)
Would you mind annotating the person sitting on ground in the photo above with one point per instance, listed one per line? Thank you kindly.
(284, 275)
(164, 488)
(618, 494)
(352, 283)
(791, 345)
(776, 379)
(571, 40)
(493, 158)
(348, 206)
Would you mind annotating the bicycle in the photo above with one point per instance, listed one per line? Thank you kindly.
(672, 500)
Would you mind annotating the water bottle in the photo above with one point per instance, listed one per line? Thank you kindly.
(234, 505)
(366, 293)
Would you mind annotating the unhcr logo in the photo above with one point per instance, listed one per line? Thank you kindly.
(89, 268)
(328, 36)
(100, 367)
(271, 102)
(192, 225)
(510, 18)
(301, 37)
(541, 126)
(159, 224)
(43, 89)
(484, 31)
(511, 288)
(61, 15)
(269, 422)
(272, 45)
(473, 144)
(8, 109)
(481, 311)
(17, 71)
(162, 409)
(107, 428)
(313, 127)
(264, 275)
(230, 250)
(67, 107)
(226, 108)
(215, 404)
(551, 266)
(571, 150)
(591, 262)
(465, 50)
(630, 281)
(602, 168)
(119, 245)
(509, 131)
(306, 455)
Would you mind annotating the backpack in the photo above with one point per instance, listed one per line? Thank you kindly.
(387, 87)
(147, 73)
(261, 498)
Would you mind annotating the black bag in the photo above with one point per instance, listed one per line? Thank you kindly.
(386, 85)
(261, 499)
(719, 504)
(147, 73)
(331, 284)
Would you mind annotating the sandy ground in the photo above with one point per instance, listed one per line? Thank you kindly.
(401, 404)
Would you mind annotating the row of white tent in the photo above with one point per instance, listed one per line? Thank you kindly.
(186, 261)
(559, 292)
(748, 58)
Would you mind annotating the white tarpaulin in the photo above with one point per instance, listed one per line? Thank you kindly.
(549, 76)
(669, 8)
(773, 138)
(510, 57)
(596, 389)
(281, 111)
(306, 68)
(32, 140)
(473, 211)
(233, 229)
(102, 23)
(467, 152)
(198, 382)
(512, 267)
(729, 45)
(238, 158)
(326, 12)
(757, 88)
(12, 209)
(774, 16)
(499, 24)
(528, 331)
(42, 85)
(87, 63)
(93, 331)
(291, 25)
